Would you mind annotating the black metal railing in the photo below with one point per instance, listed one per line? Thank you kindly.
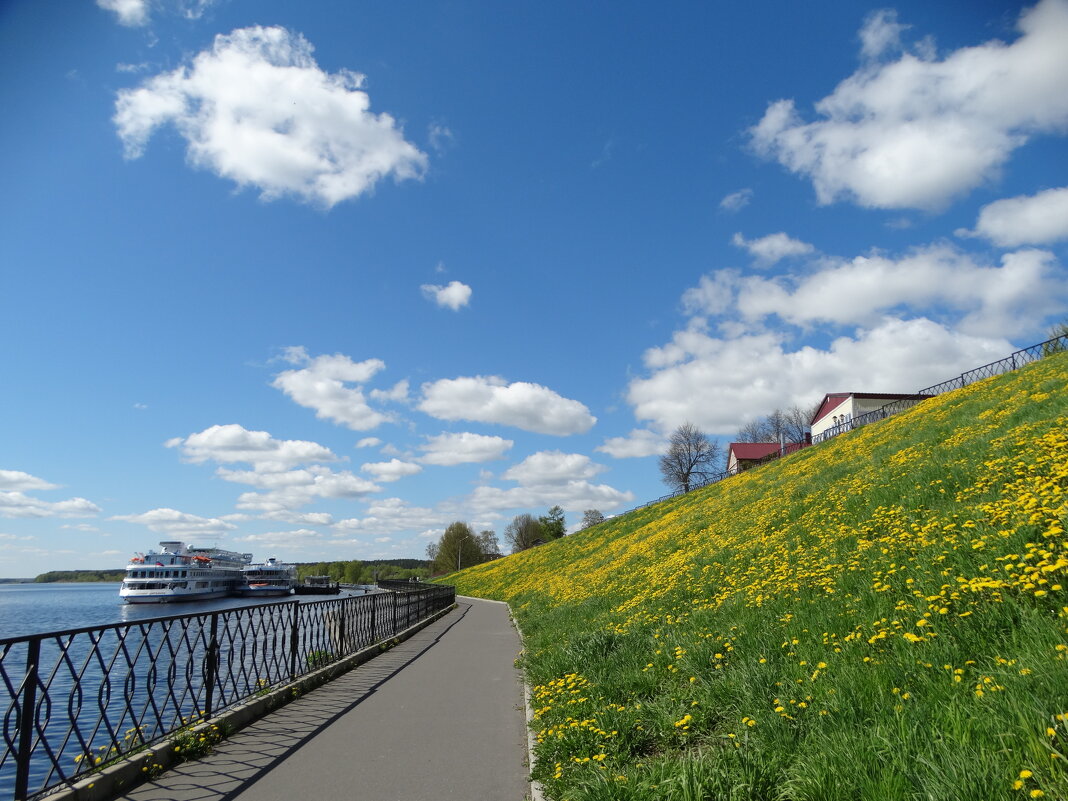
(1014, 361)
(75, 700)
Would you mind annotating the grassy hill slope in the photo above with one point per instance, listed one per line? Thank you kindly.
(882, 616)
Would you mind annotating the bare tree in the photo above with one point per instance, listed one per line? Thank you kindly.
(488, 541)
(690, 460)
(779, 426)
(522, 532)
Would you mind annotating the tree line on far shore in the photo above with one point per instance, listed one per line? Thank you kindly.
(461, 547)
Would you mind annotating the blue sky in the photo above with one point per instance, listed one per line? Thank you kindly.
(314, 281)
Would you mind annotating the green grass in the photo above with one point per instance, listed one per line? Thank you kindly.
(882, 616)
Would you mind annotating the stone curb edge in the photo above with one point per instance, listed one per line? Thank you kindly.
(126, 774)
(537, 793)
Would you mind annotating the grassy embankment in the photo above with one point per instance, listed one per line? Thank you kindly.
(879, 617)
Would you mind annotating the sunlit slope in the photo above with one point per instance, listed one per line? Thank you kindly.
(880, 616)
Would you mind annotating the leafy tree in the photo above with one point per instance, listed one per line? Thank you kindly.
(458, 548)
(487, 540)
(690, 460)
(591, 517)
(522, 532)
(553, 525)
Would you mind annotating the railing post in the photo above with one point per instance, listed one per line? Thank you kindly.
(374, 609)
(26, 716)
(394, 597)
(293, 641)
(211, 665)
(342, 646)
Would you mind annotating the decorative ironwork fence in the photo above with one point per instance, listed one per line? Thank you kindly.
(78, 699)
(1011, 362)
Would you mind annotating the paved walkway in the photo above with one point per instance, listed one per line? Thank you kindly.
(438, 717)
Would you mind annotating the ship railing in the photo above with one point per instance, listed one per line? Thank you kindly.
(76, 700)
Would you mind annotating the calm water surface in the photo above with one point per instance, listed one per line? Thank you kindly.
(40, 608)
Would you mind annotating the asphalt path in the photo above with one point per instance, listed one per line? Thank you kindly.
(438, 717)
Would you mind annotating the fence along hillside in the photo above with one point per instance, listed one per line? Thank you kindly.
(881, 616)
(1013, 361)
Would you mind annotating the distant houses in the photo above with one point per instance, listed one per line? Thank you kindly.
(837, 412)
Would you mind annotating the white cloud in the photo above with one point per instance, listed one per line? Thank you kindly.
(283, 539)
(17, 480)
(234, 443)
(553, 468)
(916, 132)
(454, 295)
(463, 448)
(132, 13)
(736, 200)
(18, 504)
(393, 470)
(178, 524)
(490, 399)
(638, 443)
(881, 33)
(719, 384)
(390, 515)
(322, 385)
(994, 301)
(258, 110)
(298, 518)
(772, 248)
(369, 442)
(1024, 220)
(288, 490)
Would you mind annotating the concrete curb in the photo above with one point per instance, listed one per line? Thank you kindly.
(537, 793)
(123, 776)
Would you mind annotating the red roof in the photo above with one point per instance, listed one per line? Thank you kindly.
(753, 450)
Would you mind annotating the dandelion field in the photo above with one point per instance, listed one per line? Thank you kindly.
(882, 616)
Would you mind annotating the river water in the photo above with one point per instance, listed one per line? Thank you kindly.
(40, 608)
(254, 643)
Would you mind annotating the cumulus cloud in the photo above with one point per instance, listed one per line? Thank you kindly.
(939, 280)
(454, 295)
(18, 504)
(323, 384)
(291, 489)
(19, 481)
(915, 132)
(638, 443)
(550, 478)
(463, 448)
(390, 515)
(234, 443)
(369, 442)
(881, 33)
(258, 110)
(772, 248)
(178, 524)
(490, 399)
(721, 383)
(283, 539)
(1038, 219)
(393, 470)
(131, 13)
(736, 200)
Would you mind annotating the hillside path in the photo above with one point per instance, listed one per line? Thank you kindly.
(438, 717)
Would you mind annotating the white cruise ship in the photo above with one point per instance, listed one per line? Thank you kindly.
(268, 579)
(180, 573)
